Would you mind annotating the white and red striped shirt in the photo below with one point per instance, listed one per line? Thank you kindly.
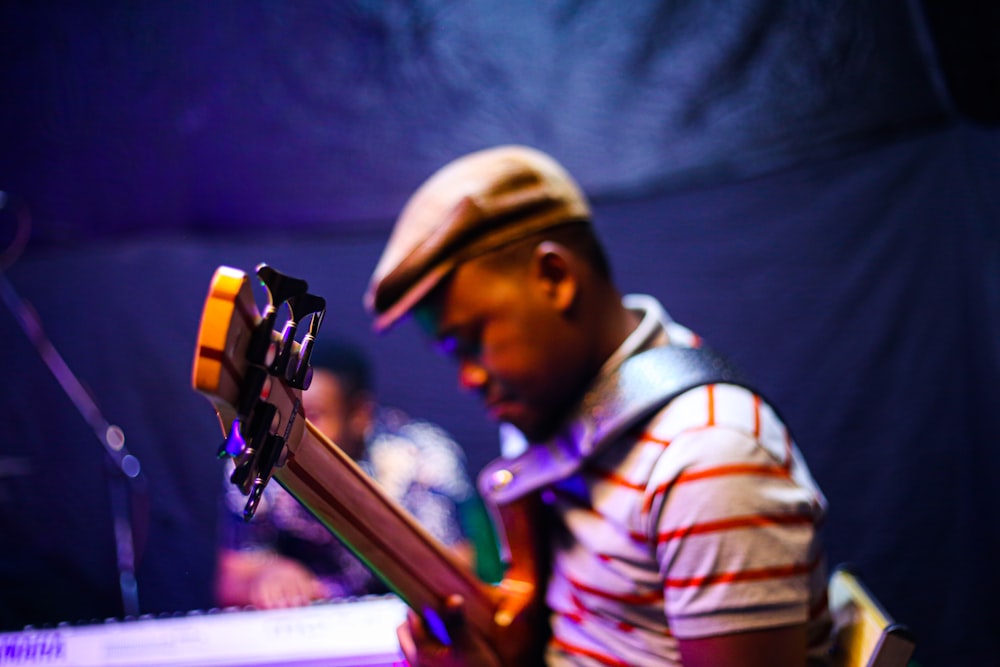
(700, 521)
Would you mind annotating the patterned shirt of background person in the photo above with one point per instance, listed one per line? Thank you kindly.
(284, 557)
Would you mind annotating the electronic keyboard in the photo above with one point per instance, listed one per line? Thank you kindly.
(344, 633)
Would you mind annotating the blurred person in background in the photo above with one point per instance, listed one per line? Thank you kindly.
(284, 556)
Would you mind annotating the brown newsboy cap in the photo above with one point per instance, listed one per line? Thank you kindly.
(472, 205)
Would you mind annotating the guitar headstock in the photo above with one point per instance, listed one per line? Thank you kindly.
(253, 373)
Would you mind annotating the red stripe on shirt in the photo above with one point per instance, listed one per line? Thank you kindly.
(630, 598)
(650, 438)
(579, 650)
(765, 470)
(613, 477)
(756, 416)
(580, 613)
(710, 390)
(735, 523)
(777, 572)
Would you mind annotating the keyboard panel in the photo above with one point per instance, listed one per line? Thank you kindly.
(355, 633)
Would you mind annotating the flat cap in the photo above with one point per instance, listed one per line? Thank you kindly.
(474, 204)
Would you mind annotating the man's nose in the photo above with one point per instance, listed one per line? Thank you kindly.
(471, 375)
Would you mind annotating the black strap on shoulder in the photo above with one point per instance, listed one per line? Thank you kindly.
(643, 384)
(649, 380)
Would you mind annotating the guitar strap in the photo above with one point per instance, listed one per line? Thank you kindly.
(642, 385)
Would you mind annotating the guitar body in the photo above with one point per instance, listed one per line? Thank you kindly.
(418, 568)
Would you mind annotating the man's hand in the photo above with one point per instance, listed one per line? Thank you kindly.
(423, 649)
(285, 583)
(265, 580)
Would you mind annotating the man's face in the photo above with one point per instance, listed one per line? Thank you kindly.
(513, 345)
(337, 416)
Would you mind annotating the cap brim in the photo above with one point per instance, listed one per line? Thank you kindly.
(386, 320)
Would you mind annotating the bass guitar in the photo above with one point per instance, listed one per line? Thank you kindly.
(254, 376)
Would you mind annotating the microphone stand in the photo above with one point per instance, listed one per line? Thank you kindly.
(123, 466)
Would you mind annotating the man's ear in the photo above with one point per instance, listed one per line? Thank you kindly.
(556, 271)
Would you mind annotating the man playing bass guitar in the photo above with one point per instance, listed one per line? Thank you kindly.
(680, 519)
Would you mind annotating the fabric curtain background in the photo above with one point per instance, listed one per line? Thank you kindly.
(799, 182)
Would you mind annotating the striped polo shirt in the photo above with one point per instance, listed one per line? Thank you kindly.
(699, 521)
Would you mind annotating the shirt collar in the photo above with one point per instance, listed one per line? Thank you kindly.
(651, 330)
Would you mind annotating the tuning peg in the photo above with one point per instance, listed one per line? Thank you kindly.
(280, 288)
(283, 354)
(240, 477)
(300, 306)
(306, 304)
(299, 376)
(253, 500)
(234, 444)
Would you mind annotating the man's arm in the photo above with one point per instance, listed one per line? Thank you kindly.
(264, 580)
(774, 647)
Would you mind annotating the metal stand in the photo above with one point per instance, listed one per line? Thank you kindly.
(124, 468)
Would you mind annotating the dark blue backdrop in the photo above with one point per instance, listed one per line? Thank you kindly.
(799, 182)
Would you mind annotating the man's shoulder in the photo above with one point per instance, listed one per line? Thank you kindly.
(729, 416)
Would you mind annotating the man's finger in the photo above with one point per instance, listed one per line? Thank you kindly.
(406, 643)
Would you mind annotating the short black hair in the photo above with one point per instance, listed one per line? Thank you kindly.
(579, 235)
(345, 359)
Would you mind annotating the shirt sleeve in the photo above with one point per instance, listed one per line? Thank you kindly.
(735, 532)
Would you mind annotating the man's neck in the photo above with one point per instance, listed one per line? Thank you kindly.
(618, 323)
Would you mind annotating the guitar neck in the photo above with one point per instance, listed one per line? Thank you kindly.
(421, 570)
(330, 484)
